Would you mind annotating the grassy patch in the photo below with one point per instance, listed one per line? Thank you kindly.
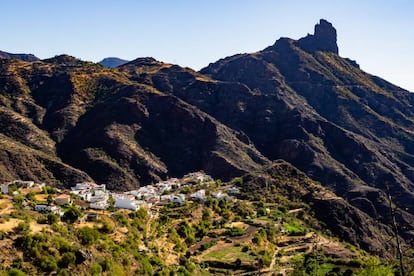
(295, 230)
(229, 255)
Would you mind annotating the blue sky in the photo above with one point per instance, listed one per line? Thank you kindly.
(379, 34)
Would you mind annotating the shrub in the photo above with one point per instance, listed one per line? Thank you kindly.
(95, 269)
(42, 220)
(52, 218)
(202, 229)
(67, 259)
(22, 227)
(235, 231)
(207, 245)
(146, 267)
(30, 196)
(121, 218)
(265, 258)
(245, 248)
(186, 231)
(16, 272)
(107, 226)
(107, 264)
(88, 236)
(48, 263)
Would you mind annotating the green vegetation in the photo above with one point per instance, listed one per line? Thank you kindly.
(235, 232)
(295, 230)
(218, 236)
(229, 254)
(72, 214)
(88, 236)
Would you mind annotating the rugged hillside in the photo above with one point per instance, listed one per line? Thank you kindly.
(342, 219)
(350, 130)
(301, 102)
(83, 116)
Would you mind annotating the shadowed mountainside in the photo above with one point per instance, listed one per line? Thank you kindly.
(117, 131)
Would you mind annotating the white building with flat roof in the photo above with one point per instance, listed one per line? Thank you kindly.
(125, 202)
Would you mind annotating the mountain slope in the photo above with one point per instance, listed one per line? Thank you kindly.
(301, 102)
(342, 219)
(118, 132)
(360, 124)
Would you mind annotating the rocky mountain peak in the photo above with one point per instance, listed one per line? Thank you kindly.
(323, 39)
(64, 59)
(144, 61)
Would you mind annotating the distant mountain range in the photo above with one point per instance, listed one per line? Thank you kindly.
(112, 62)
(24, 57)
(64, 120)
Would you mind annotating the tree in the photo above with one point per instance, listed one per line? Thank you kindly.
(395, 230)
(72, 214)
(88, 236)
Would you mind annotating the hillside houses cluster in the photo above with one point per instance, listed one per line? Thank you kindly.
(19, 184)
(93, 196)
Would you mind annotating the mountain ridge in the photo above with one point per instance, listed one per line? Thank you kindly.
(23, 57)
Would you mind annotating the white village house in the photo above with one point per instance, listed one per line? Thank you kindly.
(62, 199)
(220, 195)
(124, 201)
(178, 198)
(99, 205)
(199, 195)
(48, 208)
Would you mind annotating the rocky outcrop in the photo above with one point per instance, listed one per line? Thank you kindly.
(324, 39)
